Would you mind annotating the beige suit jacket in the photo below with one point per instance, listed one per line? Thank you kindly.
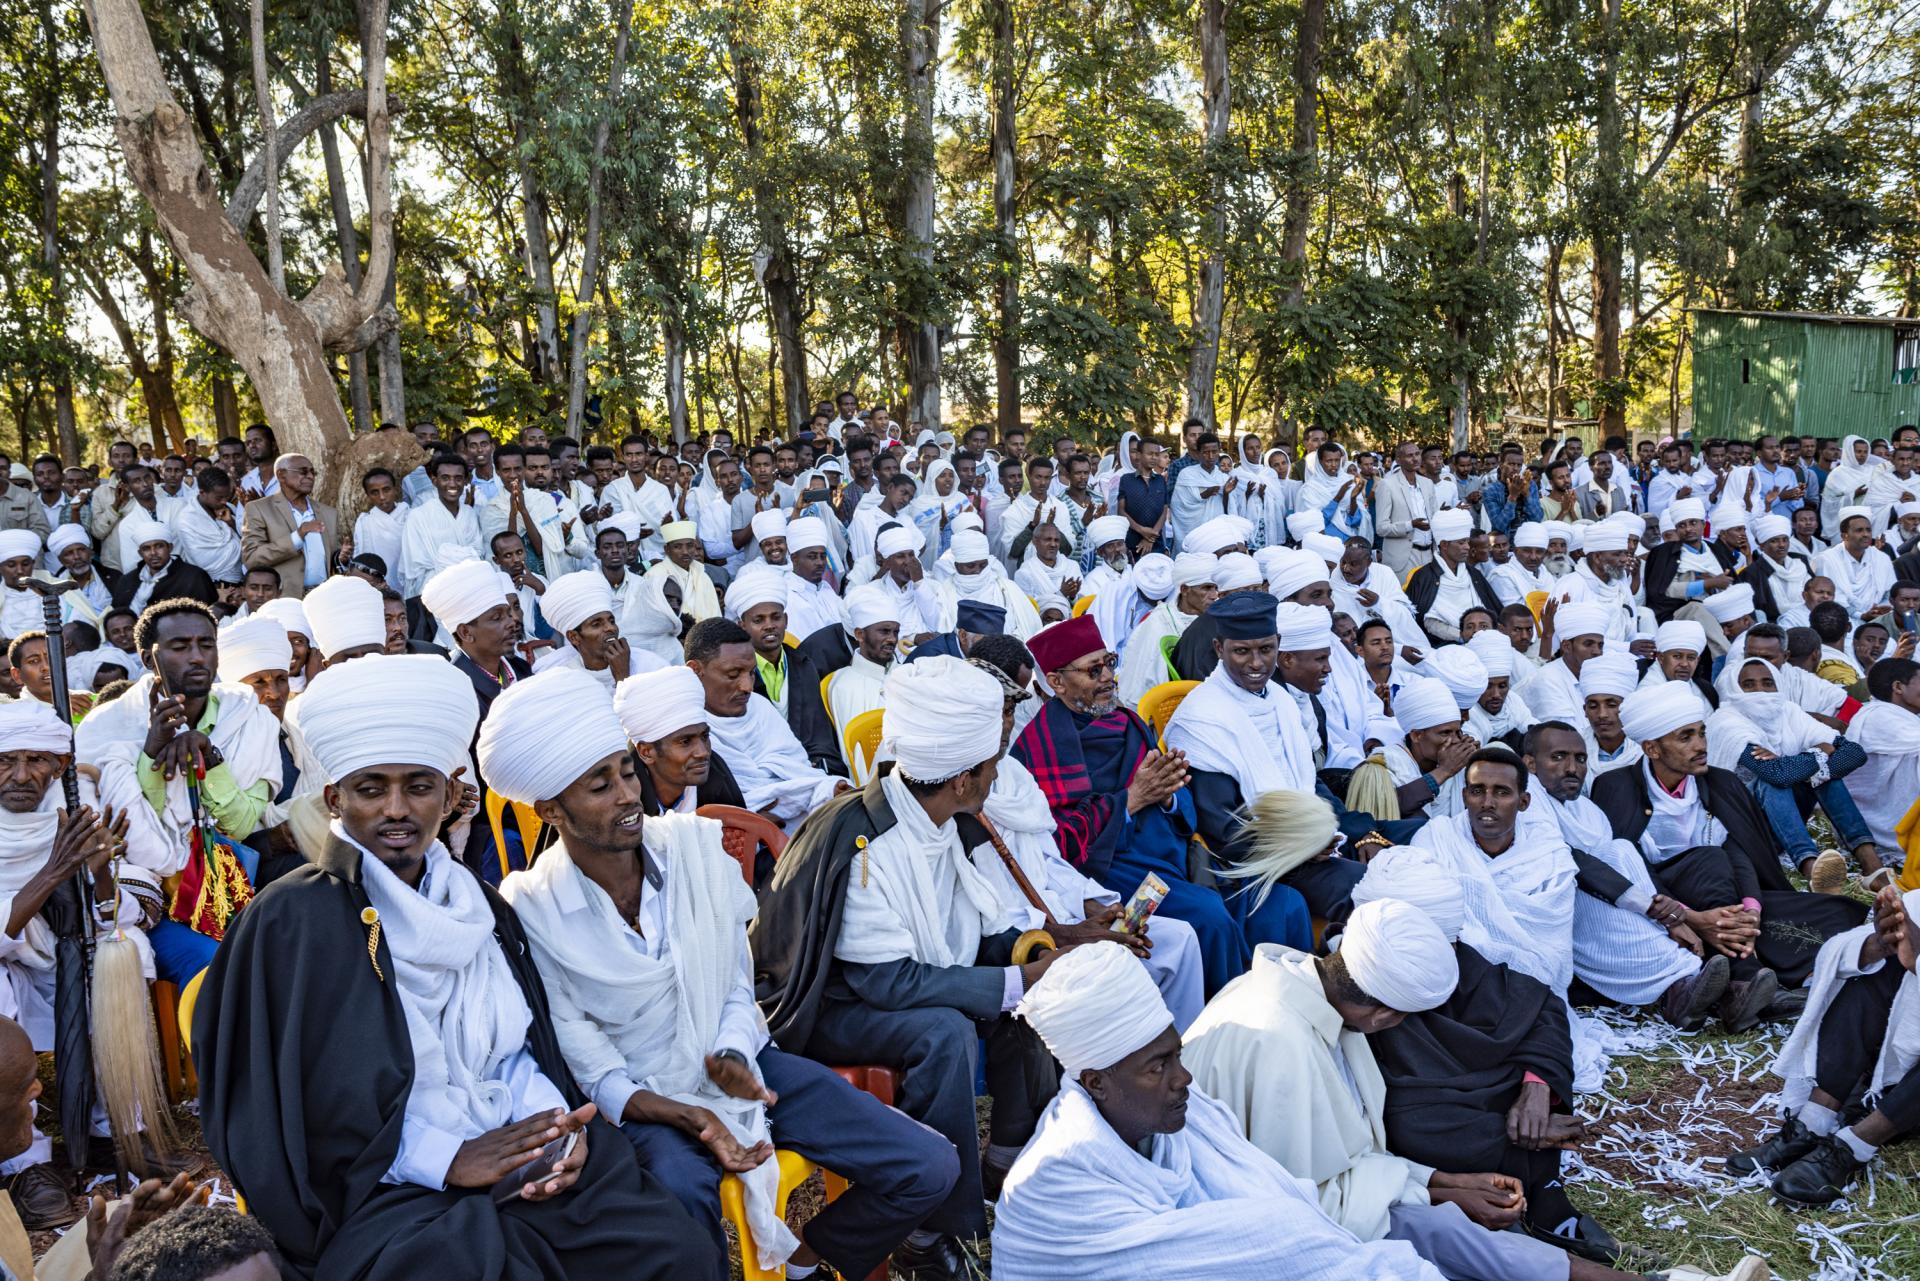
(268, 541)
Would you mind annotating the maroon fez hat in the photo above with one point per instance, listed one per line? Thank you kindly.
(1056, 646)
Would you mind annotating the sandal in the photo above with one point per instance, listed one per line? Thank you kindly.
(1870, 882)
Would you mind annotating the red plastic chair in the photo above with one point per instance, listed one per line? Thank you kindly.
(743, 832)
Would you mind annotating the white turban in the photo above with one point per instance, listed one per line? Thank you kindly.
(1681, 633)
(1399, 956)
(1190, 569)
(1451, 524)
(389, 709)
(1423, 703)
(1735, 602)
(1581, 618)
(1659, 710)
(1531, 534)
(1236, 570)
(256, 644)
(1298, 571)
(871, 604)
(346, 612)
(1105, 529)
(758, 583)
(1633, 523)
(628, 523)
(29, 725)
(572, 599)
(291, 615)
(1409, 874)
(67, 536)
(1300, 524)
(1093, 1007)
(970, 545)
(675, 531)
(1494, 651)
(1328, 548)
(1666, 521)
(1609, 673)
(1766, 528)
(941, 718)
(659, 703)
(769, 524)
(1558, 529)
(15, 543)
(1303, 628)
(967, 518)
(1848, 513)
(1729, 516)
(1152, 575)
(1687, 509)
(1460, 670)
(1605, 536)
(545, 732)
(805, 533)
(894, 540)
(461, 593)
(1900, 512)
(138, 528)
(1214, 536)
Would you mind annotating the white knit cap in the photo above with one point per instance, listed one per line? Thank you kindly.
(941, 718)
(1105, 529)
(1735, 602)
(1460, 670)
(1494, 651)
(138, 528)
(256, 644)
(1687, 509)
(389, 709)
(657, 704)
(1190, 569)
(1152, 575)
(64, 537)
(1093, 1007)
(1659, 710)
(463, 592)
(29, 725)
(1451, 524)
(1300, 524)
(871, 604)
(1423, 703)
(290, 614)
(1399, 956)
(1213, 536)
(1303, 628)
(1581, 618)
(346, 612)
(769, 524)
(1236, 570)
(1609, 673)
(1605, 536)
(757, 583)
(1764, 529)
(545, 732)
(1295, 572)
(1413, 875)
(1680, 633)
(894, 540)
(805, 533)
(572, 599)
(1530, 534)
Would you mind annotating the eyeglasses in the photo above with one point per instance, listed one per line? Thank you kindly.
(1096, 669)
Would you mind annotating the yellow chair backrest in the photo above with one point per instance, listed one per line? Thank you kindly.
(1409, 577)
(1907, 832)
(188, 995)
(791, 641)
(1536, 601)
(1158, 704)
(826, 683)
(861, 741)
(794, 1171)
(523, 815)
(1082, 605)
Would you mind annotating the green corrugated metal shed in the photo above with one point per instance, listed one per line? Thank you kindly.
(1761, 373)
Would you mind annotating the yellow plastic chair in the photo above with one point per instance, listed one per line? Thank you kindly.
(791, 641)
(1158, 704)
(188, 995)
(794, 1170)
(1409, 577)
(1082, 605)
(826, 683)
(862, 733)
(1907, 832)
(523, 815)
(1536, 601)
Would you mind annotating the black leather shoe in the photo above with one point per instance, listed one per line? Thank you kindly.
(1744, 1003)
(1688, 1002)
(41, 1196)
(1821, 1176)
(1590, 1241)
(1788, 1144)
(944, 1260)
(1786, 1006)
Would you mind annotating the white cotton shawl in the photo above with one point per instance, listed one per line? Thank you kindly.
(1259, 742)
(1885, 787)
(465, 1013)
(1838, 961)
(1019, 813)
(1771, 721)
(768, 761)
(917, 894)
(1203, 1203)
(1857, 584)
(617, 1009)
(209, 544)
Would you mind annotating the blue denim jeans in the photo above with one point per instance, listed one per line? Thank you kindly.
(1787, 810)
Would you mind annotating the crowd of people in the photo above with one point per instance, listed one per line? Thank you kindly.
(1253, 830)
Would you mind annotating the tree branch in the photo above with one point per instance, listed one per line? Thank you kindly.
(292, 132)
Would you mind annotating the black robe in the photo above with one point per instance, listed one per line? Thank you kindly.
(1423, 588)
(1757, 575)
(180, 580)
(807, 712)
(1453, 1072)
(305, 1064)
(1193, 656)
(1663, 562)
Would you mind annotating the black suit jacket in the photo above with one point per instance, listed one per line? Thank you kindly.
(1622, 796)
(1663, 562)
(181, 579)
(1424, 588)
(807, 713)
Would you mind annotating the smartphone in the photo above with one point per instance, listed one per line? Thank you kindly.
(814, 495)
(536, 1170)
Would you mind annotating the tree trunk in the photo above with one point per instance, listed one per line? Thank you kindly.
(1006, 334)
(590, 248)
(920, 51)
(1606, 204)
(773, 260)
(1306, 144)
(533, 222)
(393, 382)
(226, 407)
(349, 239)
(163, 357)
(1210, 295)
(66, 431)
(269, 142)
(674, 336)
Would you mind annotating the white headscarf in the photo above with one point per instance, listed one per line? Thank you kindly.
(253, 645)
(1419, 877)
